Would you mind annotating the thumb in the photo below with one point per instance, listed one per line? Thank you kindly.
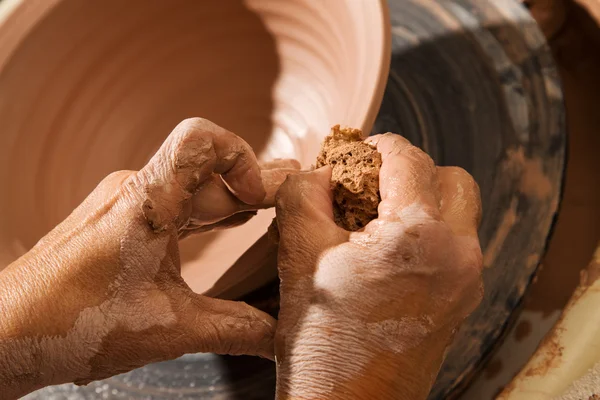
(304, 204)
(225, 327)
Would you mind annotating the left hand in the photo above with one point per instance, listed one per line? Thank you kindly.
(102, 293)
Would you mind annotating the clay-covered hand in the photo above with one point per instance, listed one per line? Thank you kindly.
(102, 293)
(369, 314)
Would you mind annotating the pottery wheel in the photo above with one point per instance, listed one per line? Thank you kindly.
(473, 83)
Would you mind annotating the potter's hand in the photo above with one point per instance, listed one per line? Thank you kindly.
(369, 314)
(102, 293)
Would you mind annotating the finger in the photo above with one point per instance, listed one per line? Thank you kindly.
(460, 203)
(213, 201)
(407, 179)
(226, 327)
(232, 221)
(272, 181)
(195, 150)
(280, 163)
(304, 204)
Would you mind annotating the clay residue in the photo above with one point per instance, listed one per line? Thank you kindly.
(355, 177)
(509, 219)
(533, 180)
(553, 352)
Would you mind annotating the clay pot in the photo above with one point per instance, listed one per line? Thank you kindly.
(87, 88)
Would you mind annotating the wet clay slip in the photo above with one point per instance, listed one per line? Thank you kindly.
(87, 88)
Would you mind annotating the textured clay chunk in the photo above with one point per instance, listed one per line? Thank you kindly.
(355, 176)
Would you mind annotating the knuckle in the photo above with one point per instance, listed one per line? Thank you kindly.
(393, 143)
(394, 137)
(462, 176)
(195, 134)
(400, 243)
(456, 176)
(419, 156)
(190, 138)
(115, 177)
(456, 171)
(193, 124)
(375, 138)
(466, 180)
(190, 134)
(292, 193)
(193, 151)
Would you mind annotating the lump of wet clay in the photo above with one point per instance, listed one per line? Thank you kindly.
(355, 176)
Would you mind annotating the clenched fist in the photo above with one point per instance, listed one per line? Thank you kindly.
(369, 314)
(102, 293)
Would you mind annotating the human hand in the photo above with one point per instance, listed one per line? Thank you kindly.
(369, 314)
(102, 293)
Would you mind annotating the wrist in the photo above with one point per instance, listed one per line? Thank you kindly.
(332, 358)
(35, 350)
(332, 366)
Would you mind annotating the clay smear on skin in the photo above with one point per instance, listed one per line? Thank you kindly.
(400, 336)
(458, 204)
(94, 323)
(393, 335)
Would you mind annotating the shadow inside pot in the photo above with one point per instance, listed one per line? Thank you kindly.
(101, 85)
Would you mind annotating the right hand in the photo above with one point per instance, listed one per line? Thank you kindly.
(369, 314)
